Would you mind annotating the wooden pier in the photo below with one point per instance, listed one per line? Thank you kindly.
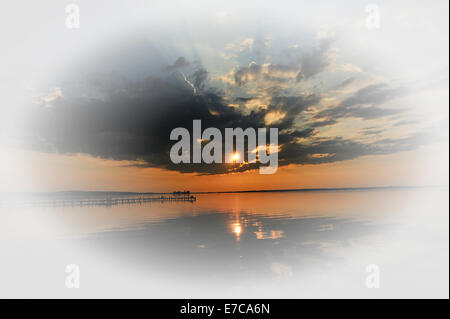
(67, 202)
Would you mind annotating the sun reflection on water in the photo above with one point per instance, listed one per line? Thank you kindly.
(237, 230)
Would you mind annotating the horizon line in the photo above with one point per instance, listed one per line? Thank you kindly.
(310, 189)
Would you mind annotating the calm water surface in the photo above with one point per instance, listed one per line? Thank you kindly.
(252, 244)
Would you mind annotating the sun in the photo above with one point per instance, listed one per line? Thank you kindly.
(235, 157)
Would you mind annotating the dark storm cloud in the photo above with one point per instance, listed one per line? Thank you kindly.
(200, 76)
(372, 131)
(374, 94)
(328, 150)
(301, 68)
(364, 104)
(291, 106)
(324, 151)
(243, 99)
(132, 120)
(346, 82)
(244, 74)
(274, 73)
(181, 62)
(134, 123)
(304, 133)
(323, 123)
(314, 62)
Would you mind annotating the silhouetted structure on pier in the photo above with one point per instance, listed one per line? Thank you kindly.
(186, 195)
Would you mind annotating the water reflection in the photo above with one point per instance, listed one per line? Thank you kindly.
(243, 246)
(237, 230)
(356, 205)
(247, 237)
(230, 245)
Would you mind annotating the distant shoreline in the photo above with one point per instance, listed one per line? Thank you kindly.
(118, 193)
(317, 189)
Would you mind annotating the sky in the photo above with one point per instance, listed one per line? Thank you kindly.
(355, 105)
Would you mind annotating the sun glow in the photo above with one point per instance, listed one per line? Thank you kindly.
(235, 157)
(237, 230)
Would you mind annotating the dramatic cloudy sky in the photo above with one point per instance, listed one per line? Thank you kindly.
(348, 113)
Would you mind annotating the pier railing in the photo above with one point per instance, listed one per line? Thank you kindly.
(109, 201)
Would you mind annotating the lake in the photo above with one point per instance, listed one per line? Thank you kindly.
(273, 244)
